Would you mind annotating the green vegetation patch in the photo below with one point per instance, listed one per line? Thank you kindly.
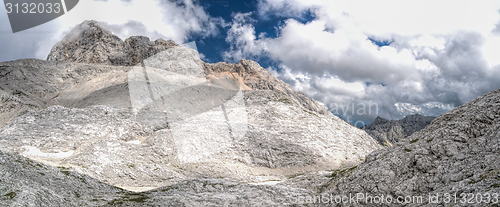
(407, 150)
(413, 141)
(294, 175)
(492, 173)
(9, 196)
(130, 197)
(309, 112)
(342, 172)
(18, 92)
(285, 101)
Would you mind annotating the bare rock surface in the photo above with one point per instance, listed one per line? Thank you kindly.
(251, 74)
(24, 182)
(458, 153)
(388, 132)
(90, 43)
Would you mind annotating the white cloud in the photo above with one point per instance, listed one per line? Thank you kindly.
(241, 37)
(441, 53)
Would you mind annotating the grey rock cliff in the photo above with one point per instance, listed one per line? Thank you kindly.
(457, 153)
(24, 182)
(90, 43)
(389, 132)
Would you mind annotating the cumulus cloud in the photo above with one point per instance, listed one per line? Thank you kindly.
(23, 44)
(176, 20)
(241, 37)
(439, 56)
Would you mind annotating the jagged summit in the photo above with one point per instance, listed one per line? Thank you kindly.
(90, 43)
(152, 115)
(379, 120)
(389, 132)
(86, 43)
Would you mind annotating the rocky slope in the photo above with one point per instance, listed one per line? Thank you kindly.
(24, 182)
(458, 154)
(152, 114)
(388, 132)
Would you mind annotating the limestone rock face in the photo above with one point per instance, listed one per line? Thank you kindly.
(251, 74)
(457, 153)
(90, 43)
(388, 132)
(138, 48)
(142, 115)
(86, 43)
(24, 182)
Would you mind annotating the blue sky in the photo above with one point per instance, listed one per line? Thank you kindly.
(407, 57)
(214, 47)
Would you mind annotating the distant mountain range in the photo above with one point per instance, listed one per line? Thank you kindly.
(456, 155)
(389, 132)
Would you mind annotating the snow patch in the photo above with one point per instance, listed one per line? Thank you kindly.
(35, 152)
(134, 142)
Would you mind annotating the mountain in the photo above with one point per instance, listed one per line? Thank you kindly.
(150, 124)
(90, 43)
(389, 132)
(458, 154)
(140, 114)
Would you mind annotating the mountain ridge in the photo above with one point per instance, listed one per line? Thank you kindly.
(388, 132)
(457, 153)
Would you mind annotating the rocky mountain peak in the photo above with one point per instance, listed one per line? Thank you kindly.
(89, 42)
(379, 120)
(254, 77)
(180, 132)
(86, 43)
(388, 132)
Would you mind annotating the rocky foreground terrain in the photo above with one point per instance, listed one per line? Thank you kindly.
(457, 154)
(388, 132)
(106, 122)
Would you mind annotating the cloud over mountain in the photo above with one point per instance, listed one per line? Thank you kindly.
(407, 57)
